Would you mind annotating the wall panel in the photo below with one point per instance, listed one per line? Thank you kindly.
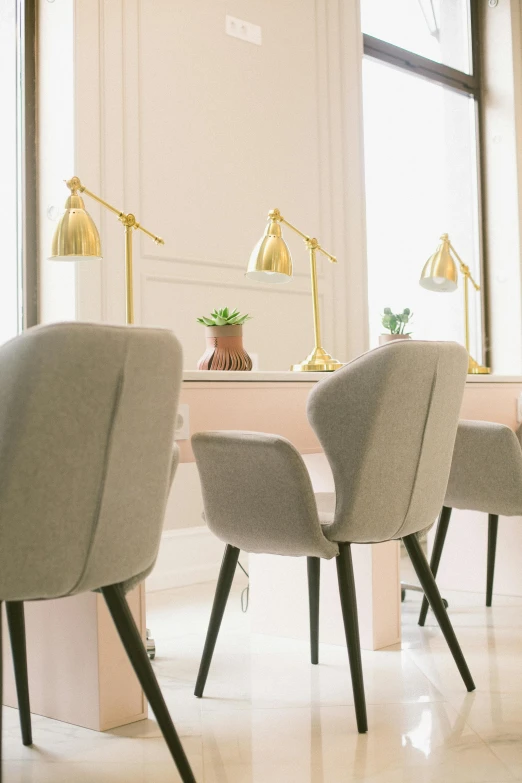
(200, 134)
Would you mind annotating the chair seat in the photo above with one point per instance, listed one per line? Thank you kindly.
(326, 517)
(325, 507)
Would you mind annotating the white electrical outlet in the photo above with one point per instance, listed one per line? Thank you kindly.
(245, 31)
(519, 409)
(182, 423)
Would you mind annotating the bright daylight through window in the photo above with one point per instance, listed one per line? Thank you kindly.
(421, 160)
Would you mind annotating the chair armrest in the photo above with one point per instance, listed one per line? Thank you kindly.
(486, 470)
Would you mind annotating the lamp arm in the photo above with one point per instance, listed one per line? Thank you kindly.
(312, 243)
(464, 268)
(127, 219)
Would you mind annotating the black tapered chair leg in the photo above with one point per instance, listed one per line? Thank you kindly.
(351, 629)
(438, 546)
(16, 622)
(431, 591)
(135, 649)
(492, 551)
(226, 576)
(314, 582)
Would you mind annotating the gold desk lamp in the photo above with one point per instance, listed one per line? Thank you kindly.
(440, 274)
(271, 262)
(76, 237)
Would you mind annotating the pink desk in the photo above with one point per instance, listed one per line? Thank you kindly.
(276, 402)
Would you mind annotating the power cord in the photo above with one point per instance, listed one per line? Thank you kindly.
(245, 593)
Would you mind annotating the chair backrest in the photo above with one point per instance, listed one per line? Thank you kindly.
(387, 423)
(258, 495)
(87, 417)
(486, 470)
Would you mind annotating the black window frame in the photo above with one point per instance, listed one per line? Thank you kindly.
(468, 84)
(27, 217)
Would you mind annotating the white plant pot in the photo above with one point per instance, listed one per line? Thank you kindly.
(390, 338)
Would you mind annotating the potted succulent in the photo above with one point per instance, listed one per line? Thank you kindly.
(396, 323)
(224, 333)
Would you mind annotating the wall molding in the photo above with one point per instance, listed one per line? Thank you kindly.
(186, 556)
(210, 263)
(170, 279)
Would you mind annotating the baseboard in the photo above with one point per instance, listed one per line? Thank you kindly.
(186, 557)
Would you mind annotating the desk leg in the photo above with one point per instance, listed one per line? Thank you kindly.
(279, 596)
(78, 670)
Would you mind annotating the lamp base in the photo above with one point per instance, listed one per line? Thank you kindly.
(318, 361)
(474, 368)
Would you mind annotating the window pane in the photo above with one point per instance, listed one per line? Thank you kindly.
(437, 29)
(9, 169)
(421, 181)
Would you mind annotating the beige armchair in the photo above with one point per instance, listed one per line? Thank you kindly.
(87, 417)
(486, 475)
(387, 423)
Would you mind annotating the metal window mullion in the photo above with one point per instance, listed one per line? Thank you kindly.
(476, 52)
(27, 164)
(420, 66)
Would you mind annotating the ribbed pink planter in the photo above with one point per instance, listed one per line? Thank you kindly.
(224, 349)
(390, 338)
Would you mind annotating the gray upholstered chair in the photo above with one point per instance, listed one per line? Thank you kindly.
(387, 423)
(486, 475)
(87, 418)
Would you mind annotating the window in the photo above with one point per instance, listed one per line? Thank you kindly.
(17, 154)
(420, 94)
(438, 30)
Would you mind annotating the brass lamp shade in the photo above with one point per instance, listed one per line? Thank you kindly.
(76, 236)
(270, 261)
(440, 271)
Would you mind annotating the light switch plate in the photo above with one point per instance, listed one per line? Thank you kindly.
(519, 409)
(182, 423)
(245, 31)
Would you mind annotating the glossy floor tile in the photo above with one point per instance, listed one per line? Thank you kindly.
(269, 716)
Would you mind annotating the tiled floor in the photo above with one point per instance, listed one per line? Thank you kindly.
(268, 716)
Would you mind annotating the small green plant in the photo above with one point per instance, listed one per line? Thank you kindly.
(225, 317)
(396, 322)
